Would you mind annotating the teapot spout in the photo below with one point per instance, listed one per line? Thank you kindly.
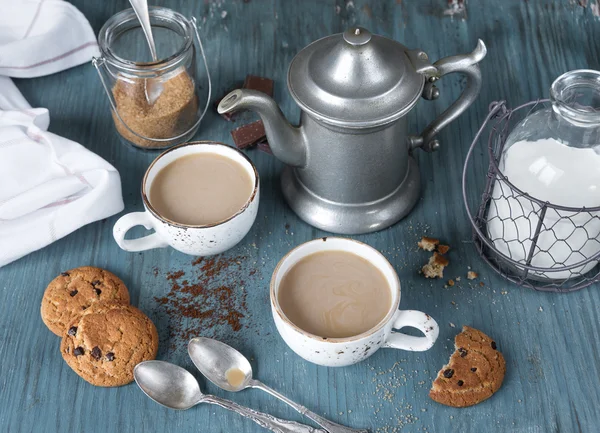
(286, 141)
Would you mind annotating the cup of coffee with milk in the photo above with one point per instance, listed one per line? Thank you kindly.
(335, 303)
(201, 198)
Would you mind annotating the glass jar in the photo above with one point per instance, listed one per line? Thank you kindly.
(154, 104)
(545, 209)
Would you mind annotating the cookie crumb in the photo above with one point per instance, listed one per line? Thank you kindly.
(428, 244)
(451, 283)
(443, 249)
(435, 267)
(471, 275)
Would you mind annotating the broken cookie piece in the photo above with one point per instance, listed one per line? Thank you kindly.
(442, 249)
(428, 244)
(474, 373)
(435, 267)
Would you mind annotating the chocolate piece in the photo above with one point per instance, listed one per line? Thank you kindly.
(448, 373)
(78, 351)
(72, 330)
(473, 369)
(96, 283)
(98, 291)
(494, 345)
(261, 84)
(263, 146)
(460, 383)
(463, 352)
(64, 274)
(248, 135)
(73, 292)
(96, 353)
(110, 356)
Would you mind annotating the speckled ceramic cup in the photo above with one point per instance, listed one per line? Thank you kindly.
(197, 240)
(339, 352)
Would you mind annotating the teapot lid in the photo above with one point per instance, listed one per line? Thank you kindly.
(356, 79)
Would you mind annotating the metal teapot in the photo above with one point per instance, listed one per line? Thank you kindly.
(349, 163)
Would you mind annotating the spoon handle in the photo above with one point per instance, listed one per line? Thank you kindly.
(330, 426)
(264, 420)
(140, 7)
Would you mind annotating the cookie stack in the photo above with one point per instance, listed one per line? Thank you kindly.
(103, 337)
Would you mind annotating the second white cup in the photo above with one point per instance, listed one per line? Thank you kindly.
(338, 352)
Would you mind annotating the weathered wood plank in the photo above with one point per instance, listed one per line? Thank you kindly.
(550, 341)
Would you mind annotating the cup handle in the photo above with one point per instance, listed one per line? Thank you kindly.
(133, 219)
(415, 319)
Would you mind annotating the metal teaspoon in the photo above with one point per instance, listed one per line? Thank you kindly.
(176, 388)
(152, 88)
(230, 370)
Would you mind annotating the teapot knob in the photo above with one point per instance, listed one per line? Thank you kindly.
(357, 36)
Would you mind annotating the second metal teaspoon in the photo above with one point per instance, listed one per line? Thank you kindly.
(230, 370)
(176, 388)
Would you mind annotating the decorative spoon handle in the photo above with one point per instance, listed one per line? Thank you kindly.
(264, 420)
(330, 426)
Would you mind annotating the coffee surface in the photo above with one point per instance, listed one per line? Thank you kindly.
(201, 188)
(334, 294)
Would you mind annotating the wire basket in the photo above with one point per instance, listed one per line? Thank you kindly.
(530, 242)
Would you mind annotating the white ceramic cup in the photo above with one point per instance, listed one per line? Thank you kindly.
(197, 240)
(339, 352)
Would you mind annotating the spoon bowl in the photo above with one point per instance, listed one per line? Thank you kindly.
(230, 370)
(217, 361)
(168, 384)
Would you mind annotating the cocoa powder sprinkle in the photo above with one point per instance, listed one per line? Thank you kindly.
(212, 298)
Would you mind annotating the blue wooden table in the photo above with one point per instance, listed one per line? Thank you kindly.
(550, 341)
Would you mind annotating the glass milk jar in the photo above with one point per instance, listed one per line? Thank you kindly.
(154, 102)
(552, 159)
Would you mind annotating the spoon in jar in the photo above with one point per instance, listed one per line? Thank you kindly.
(175, 387)
(152, 88)
(230, 370)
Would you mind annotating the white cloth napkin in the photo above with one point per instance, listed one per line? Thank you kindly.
(49, 185)
(41, 37)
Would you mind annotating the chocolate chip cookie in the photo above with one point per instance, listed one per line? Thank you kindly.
(106, 341)
(475, 371)
(74, 291)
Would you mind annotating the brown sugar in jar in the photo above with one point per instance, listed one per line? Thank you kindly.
(129, 73)
(172, 114)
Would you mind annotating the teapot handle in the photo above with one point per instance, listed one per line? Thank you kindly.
(467, 64)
